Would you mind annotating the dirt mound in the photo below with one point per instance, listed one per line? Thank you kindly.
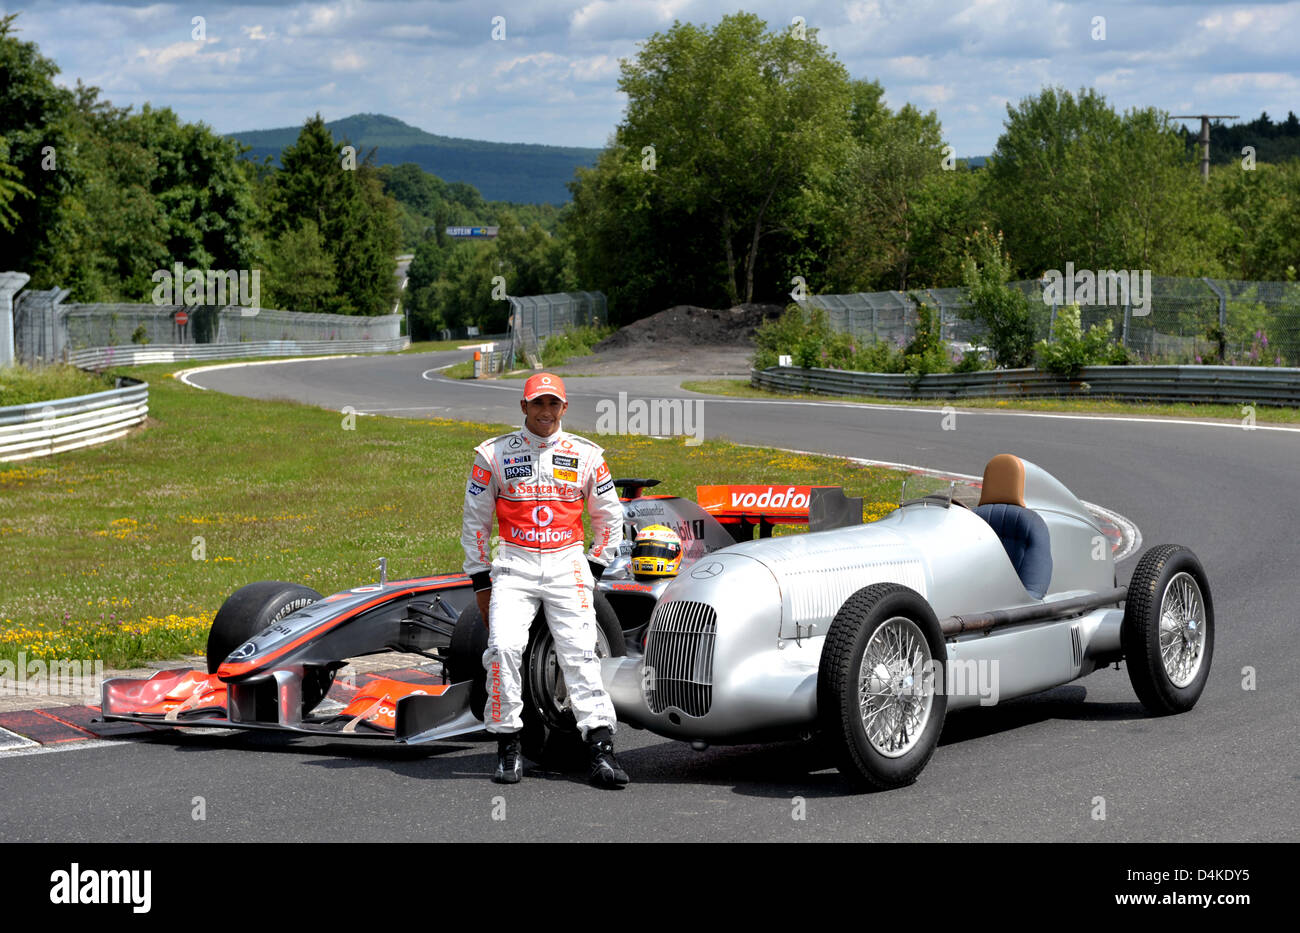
(689, 326)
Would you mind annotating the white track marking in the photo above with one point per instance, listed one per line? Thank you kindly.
(12, 741)
(184, 374)
(62, 747)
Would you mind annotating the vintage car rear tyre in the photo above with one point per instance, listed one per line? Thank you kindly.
(254, 608)
(550, 736)
(1168, 629)
(882, 738)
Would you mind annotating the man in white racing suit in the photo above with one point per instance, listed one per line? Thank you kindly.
(535, 480)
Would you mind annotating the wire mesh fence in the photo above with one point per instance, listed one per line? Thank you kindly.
(46, 329)
(1178, 321)
(533, 318)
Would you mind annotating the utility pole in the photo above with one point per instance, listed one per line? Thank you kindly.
(1205, 119)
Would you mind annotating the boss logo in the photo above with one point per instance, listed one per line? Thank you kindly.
(519, 472)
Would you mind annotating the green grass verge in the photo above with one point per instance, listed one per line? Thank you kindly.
(123, 552)
(741, 388)
(433, 346)
(22, 385)
(557, 351)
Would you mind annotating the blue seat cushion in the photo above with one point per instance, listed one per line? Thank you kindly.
(1025, 538)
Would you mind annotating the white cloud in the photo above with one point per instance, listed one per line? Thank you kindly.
(554, 79)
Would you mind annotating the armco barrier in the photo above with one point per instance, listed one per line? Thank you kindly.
(132, 355)
(43, 428)
(1247, 385)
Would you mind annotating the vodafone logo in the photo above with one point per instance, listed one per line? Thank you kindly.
(542, 515)
(542, 535)
(545, 380)
(789, 498)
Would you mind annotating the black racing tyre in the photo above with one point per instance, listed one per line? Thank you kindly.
(465, 656)
(884, 726)
(252, 609)
(550, 735)
(1168, 630)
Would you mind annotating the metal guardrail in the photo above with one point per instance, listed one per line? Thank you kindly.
(39, 429)
(1247, 385)
(133, 355)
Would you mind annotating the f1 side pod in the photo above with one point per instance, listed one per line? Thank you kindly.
(429, 718)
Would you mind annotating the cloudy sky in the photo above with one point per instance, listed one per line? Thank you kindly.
(553, 79)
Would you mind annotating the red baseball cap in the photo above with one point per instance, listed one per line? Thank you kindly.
(544, 384)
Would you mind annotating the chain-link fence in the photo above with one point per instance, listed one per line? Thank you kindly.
(1179, 321)
(533, 318)
(46, 329)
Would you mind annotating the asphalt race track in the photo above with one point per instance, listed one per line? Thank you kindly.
(1028, 770)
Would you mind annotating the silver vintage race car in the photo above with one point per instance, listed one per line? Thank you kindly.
(865, 636)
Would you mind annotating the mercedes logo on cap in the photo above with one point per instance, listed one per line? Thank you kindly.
(711, 569)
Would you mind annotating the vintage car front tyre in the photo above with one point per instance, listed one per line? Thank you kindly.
(550, 734)
(1168, 630)
(254, 608)
(880, 696)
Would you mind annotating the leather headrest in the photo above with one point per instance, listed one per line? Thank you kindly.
(1004, 481)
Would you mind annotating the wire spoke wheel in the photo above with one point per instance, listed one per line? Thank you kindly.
(549, 678)
(1182, 629)
(1168, 629)
(895, 687)
(880, 698)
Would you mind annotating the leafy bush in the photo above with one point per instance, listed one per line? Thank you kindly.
(925, 353)
(807, 337)
(576, 341)
(972, 361)
(1004, 312)
(1071, 349)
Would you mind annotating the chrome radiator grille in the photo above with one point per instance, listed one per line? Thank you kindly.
(679, 657)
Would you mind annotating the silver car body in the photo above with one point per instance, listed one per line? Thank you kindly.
(735, 641)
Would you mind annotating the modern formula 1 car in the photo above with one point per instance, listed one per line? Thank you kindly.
(861, 636)
(275, 647)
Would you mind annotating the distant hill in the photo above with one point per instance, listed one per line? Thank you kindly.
(519, 172)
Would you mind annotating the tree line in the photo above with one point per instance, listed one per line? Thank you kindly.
(97, 198)
(749, 163)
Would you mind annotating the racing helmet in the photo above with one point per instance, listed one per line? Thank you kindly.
(657, 552)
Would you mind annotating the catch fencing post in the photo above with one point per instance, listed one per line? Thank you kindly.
(1223, 302)
(11, 283)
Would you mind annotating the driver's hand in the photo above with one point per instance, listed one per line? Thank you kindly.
(484, 599)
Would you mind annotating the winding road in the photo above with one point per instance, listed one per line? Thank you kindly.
(1041, 768)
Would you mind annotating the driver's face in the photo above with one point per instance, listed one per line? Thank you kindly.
(542, 415)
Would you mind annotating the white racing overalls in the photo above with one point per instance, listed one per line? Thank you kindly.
(536, 486)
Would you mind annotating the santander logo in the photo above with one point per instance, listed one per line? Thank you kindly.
(789, 498)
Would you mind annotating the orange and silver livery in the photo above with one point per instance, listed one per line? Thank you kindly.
(536, 486)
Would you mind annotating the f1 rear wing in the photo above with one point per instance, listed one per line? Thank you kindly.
(741, 508)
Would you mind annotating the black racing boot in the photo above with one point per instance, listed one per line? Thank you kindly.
(605, 771)
(510, 762)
